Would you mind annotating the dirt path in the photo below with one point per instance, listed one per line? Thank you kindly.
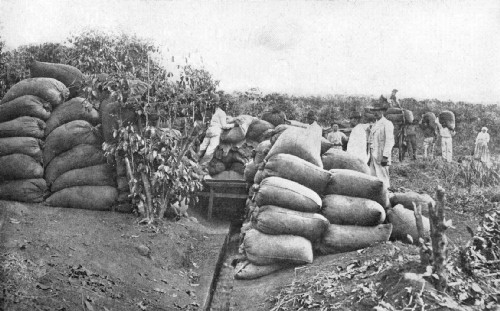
(67, 259)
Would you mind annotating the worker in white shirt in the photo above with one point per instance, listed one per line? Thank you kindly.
(212, 136)
(336, 137)
(446, 141)
(381, 141)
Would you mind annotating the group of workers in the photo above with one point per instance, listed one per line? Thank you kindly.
(372, 142)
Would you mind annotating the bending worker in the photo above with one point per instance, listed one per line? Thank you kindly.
(212, 136)
(381, 141)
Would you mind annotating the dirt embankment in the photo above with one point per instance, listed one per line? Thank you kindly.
(68, 259)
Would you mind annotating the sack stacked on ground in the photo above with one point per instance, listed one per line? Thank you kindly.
(230, 157)
(354, 202)
(402, 216)
(77, 172)
(23, 114)
(237, 145)
(286, 219)
(70, 76)
(354, 205)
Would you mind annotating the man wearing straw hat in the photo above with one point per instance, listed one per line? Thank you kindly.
(381, 141)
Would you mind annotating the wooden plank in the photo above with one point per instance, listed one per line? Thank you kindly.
(211, 203)
(226, 184)
(224, 195)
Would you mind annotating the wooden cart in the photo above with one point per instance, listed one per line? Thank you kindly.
(218, 188)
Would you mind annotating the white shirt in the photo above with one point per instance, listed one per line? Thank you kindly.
(336, 137)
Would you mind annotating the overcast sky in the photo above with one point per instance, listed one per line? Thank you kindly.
(425, 49)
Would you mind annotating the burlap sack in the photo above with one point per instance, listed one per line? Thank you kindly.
(71, 76)
(406, 199)
(274, 117)
(263, 249)
(23, 190)
(405, 224)
(28, 105)
(303, 143)
(19, 166)
(356, 184)
(250, 171)
(246, 270)
(325, 146)
(97, 175)
(344, 210)
(261, 151)
(79, 156)
(24, 145)
(74, 109)
(339, 238)
(339, 159)
(257, 129)
(293, 168)
(276, 220)
(99, 198)
(23, 127)
(447, 119)
(70, 135)
(287, 194)
(48, 89)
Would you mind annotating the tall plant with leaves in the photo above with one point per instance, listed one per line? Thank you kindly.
(158, 149)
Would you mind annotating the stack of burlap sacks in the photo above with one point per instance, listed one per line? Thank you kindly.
(23, 112)
(75, 167)
(303, 202)
(237, 144)
(71, 162)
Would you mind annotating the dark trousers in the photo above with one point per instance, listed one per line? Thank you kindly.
(411, 146)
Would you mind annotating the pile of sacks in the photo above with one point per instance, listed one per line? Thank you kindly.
(236, 147)
(305, 201)
(69, 166)
(76, 171)
(23, 113)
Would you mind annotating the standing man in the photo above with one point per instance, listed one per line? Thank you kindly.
(381, 141)
(411, 139)
(212, 136)
(336, 137)
(358, 140)
(446, 141)
(430, 136)
(393, 100)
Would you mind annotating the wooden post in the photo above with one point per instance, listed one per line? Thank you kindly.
(149, 199)
(439, 240)
(425, 252)
(211, 202)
